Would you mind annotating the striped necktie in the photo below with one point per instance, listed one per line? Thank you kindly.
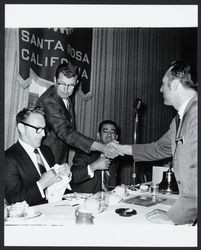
(39, 161)
(106, 180)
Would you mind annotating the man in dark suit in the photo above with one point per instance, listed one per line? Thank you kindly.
(59, 115)
(179, 142)
(27, 165)
(94, 172)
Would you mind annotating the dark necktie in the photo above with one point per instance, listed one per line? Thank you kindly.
(39, 161)
(106, 180)
(177, 121)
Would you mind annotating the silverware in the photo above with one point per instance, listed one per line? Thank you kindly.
(63, 205)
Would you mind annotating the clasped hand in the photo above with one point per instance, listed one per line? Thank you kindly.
(102, 163)
(112, 150)
(54, 175)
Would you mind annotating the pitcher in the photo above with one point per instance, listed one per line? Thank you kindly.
(83, 217)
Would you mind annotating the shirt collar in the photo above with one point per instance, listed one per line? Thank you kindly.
(26, 146)
(183, 107)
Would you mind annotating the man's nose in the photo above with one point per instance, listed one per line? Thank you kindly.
(42, 133)
(65, 87)
(109, 134)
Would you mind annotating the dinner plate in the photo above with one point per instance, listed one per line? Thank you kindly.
(28, 216)
(77, 196)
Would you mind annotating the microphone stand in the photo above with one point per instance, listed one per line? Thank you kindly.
(134, 142)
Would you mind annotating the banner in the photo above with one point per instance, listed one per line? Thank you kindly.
(41, 50)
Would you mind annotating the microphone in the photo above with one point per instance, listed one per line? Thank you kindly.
(137, 104)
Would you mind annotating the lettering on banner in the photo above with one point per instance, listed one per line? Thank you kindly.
(43, 49)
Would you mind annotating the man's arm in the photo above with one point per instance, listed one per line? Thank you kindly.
(57, 120)
(79, 168)
(149, 152)
(61, 125)
(14, 187)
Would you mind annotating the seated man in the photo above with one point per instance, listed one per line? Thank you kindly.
(27, 165)
(94, 172)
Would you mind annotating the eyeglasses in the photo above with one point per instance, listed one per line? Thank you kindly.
(38, 129)
(72, 85)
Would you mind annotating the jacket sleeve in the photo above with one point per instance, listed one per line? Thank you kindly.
(62, 127)
(14, 188)
(79, 167)
(153, 151)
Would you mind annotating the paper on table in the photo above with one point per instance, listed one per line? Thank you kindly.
(56, 191)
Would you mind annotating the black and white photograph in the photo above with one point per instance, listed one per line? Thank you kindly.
(101, 125)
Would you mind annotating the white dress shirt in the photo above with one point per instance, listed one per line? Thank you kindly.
(183, 107)
(30, 151)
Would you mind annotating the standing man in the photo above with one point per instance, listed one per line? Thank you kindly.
(28, 164)
(94, 172)
(179, 91)
(57, 103)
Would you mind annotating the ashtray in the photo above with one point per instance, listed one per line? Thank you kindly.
(126, 212)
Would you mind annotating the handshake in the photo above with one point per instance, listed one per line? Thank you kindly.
(114, 149)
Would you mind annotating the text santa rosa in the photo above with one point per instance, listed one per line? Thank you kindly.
(44, 49)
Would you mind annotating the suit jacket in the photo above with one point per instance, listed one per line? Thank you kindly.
(184, 154)
(61, 124)
(21, 175)
(81, 181)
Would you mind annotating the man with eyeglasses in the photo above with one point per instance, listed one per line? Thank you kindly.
(28, 165)
(57, 102)
(180, 142)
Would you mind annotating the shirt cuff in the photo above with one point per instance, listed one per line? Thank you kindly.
(40, 189)
(90, 173)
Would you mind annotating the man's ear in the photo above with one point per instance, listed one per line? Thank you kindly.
(98, 136)
(116, 137)
(55, 80)
(174, 84)
(20, 127)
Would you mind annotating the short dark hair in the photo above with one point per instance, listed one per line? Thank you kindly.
(184, 72)
(108, 122)
(68, 69)
(26, 112)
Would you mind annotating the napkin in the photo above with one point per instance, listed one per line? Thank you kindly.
(56, 191)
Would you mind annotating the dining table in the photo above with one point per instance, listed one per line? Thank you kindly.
(54, 224)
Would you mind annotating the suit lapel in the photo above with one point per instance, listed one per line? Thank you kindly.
(192, 102)
(26, 161)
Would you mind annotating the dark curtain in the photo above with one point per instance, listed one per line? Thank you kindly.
(127, 63)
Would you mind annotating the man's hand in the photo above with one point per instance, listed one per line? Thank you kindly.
(49, 178)
(158, 216)
(63, 169)
(112, 150)
(101, 164)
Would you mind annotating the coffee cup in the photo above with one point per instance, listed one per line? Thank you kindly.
(119, 190)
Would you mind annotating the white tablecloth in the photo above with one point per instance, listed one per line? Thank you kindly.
(56, 227)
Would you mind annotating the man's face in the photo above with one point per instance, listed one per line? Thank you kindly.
(29, 134)
(65, 86)
(167, 90)
(107, 134)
